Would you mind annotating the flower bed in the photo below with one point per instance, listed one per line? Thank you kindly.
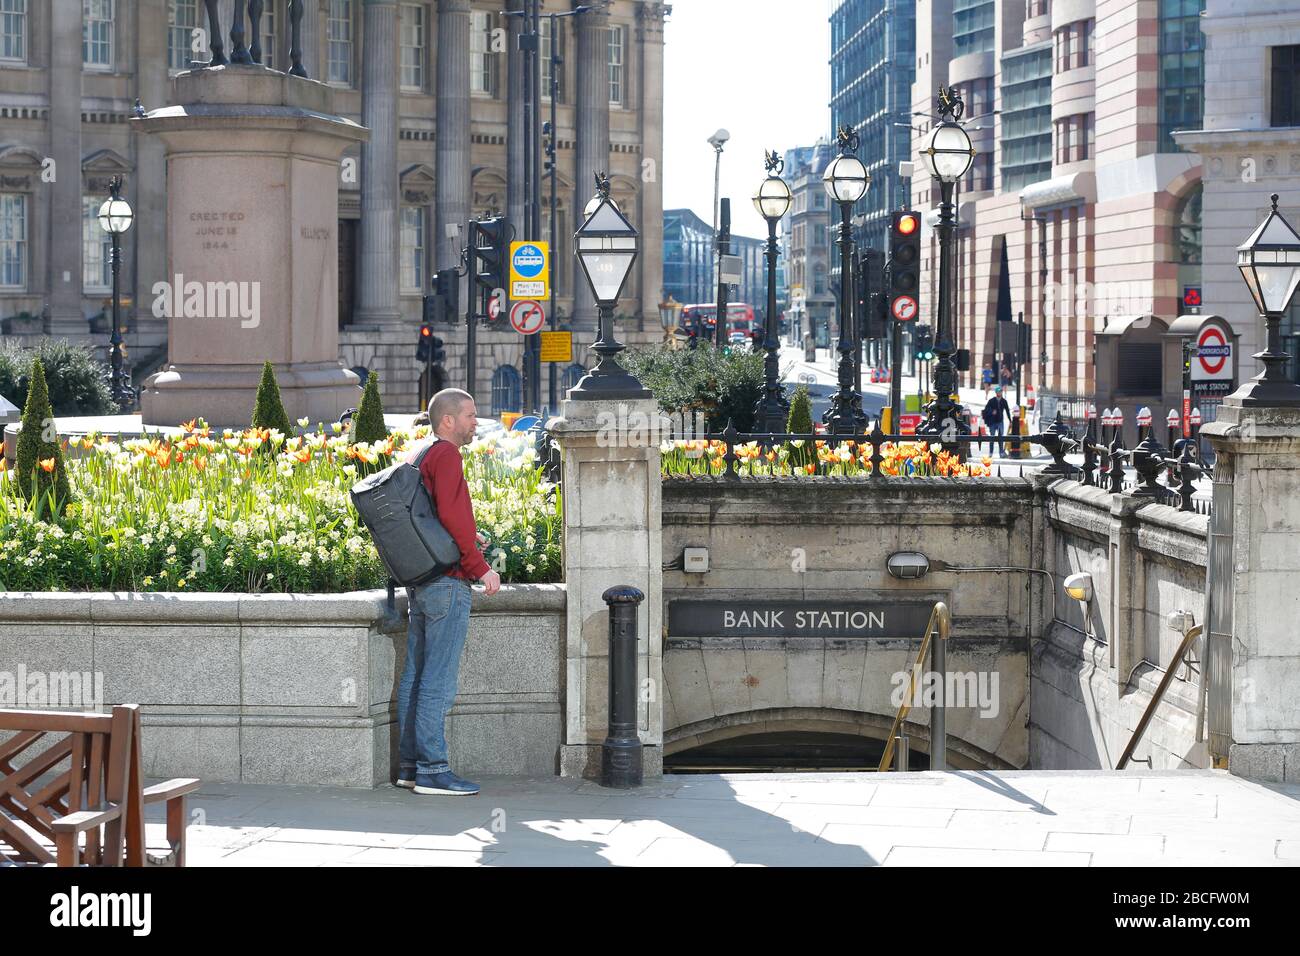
(227, 512)
(706, 458)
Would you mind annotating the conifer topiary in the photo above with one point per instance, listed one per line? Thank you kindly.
(38, 446)
(268, 411)
(800, 423)
(368, 422)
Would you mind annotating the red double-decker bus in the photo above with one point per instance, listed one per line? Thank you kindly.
(702, 319)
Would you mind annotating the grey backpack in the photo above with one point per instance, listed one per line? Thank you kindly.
(396, 508)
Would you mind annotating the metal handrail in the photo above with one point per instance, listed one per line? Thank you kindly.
(1192, 634)
(941, 618)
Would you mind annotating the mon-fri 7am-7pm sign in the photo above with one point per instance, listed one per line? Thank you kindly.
(528, 270)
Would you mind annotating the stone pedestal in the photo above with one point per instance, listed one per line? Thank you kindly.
(252, 246)
(611, 537)
(1255, 597)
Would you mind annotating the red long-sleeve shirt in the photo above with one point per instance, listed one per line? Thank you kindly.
(443, 471)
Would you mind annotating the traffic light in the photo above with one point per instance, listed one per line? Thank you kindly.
(429, 313)
(923, 344)
(447, 285)
(439, 356)
(423, 347)
(904, 264)
(871, 288)
(492, 250)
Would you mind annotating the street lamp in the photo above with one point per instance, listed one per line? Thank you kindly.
(717, 140)
(948, 156)
(772, 200)
(606, 247)
(846, 181)
(1270, 263)
(115, 217)
(669, 310)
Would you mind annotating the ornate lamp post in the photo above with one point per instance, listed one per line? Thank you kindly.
(1270, 263)
(606, 247)
(846, 181)
(115, 217)
(772, 200)
(948, 156)
(669, 311)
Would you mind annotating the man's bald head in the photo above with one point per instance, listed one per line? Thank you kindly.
(452, 415)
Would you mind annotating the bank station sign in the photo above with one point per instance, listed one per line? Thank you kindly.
(806, 618)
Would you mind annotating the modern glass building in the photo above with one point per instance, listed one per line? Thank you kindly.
(873, 52)
(688, 272)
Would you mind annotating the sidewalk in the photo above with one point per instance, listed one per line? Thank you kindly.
(1036, 818)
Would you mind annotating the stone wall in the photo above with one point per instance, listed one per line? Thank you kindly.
(299, 689)
(1095, 669)
(801, 539)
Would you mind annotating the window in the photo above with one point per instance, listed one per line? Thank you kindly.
(1073, 45)
(268, 35)
(13, 241)
(97, 248)
(1182, 69)
(1026, 116)
(617, 67)
(550, 68)
(1189, 229)
(182, 20)
(505, 390)
(412, 48)
(412, 249)
(97, 34)
(980, 176)
(339, 32)
(819, 279)
(13, 29)
(482, 62)
(1037, 8)
(1073, 138)
(972, 26)
(1284, 91)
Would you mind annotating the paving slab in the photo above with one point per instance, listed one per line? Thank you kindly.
(1012, 818)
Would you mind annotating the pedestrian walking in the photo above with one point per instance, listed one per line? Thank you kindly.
(996, 414)
(439, 610)
(986, 379)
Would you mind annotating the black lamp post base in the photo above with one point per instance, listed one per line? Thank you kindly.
(608, 380)
(1261, 393)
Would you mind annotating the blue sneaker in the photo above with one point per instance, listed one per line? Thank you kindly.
(445, 783)
(406, 778)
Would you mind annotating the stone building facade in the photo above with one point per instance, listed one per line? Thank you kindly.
(437, 82)
(1071, 105)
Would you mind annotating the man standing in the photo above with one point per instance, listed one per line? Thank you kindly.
(996, 414)
(439, 610)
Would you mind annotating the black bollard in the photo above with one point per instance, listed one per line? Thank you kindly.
(621, 757)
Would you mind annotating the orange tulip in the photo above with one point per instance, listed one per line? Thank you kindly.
(47, 465)
(303, 456)
(200, 463)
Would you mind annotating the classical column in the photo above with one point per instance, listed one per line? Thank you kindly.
(377, 295)
(148, 238)
(452, 128)
(64, 223)
(515, 187)
(312, 39)
(650, 37)
(592, 29)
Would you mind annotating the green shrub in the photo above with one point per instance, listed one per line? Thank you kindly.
(800, 422)
(724, 385)
(38, 442)
(77, 383)
(268, 411)
(368, 422)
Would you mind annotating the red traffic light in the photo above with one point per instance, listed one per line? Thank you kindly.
(907, 225)
(425, 331)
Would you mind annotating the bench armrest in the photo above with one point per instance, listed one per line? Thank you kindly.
(171, 789)
(83, 820)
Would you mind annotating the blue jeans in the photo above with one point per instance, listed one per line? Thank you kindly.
(996, 429)
(435, 637)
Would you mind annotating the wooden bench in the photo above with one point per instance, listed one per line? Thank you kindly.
(100, 796)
